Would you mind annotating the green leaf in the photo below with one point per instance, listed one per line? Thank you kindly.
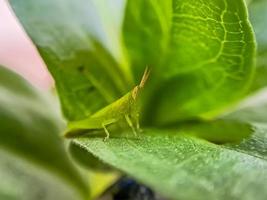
(75, 39)
(22, 180)
(252, 110)
(89, 162)
(33, 158)
(260, 80)
(185, 167)
(201, 54)
(258, 17)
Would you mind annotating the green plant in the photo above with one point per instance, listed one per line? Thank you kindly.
(198, 140)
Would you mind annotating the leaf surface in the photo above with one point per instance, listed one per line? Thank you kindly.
(185, 167)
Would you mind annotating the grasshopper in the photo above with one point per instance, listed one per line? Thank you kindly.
(124, 108)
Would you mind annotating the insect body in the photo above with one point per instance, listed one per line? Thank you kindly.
(124, 108)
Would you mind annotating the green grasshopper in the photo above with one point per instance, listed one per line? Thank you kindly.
(124, 108)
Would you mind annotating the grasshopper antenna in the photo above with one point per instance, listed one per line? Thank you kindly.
(141, 84)
(144, 77)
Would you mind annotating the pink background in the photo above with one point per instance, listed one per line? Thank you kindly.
(17, 51)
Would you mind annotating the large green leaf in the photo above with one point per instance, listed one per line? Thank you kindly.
(75, 38)
(201, 54)
(33, 158)
(185, 167)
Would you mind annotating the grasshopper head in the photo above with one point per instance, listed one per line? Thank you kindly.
(141, 85)
(135, 92)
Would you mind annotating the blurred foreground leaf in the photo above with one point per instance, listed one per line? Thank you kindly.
(33, 161)
(258, 16)
(251, 110)
(102, 181)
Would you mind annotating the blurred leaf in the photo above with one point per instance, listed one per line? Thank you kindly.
(75, 39)
(260, 80)
(102, 181)
(22, 180)
(89, 162)
(33, 156)
(184, 167)
(201, 54)
(258, 17)
(218, 131)
(101, 176)
(252, 110)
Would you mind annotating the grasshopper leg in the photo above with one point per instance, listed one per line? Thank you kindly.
(106, 131)
(104, 125)
(138, 128)
(130, 123)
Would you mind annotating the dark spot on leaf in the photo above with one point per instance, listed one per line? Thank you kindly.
(81, 68)
(90, 89)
